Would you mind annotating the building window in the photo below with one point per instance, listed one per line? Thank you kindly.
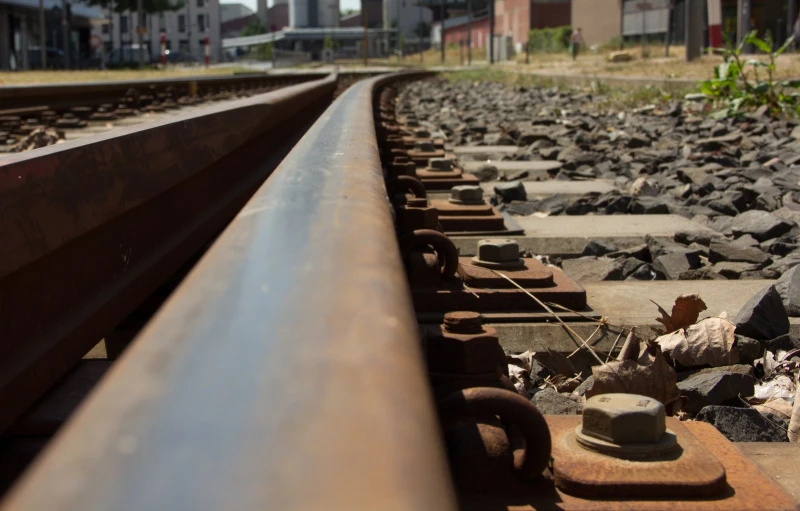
(105, 29)
(183, 46)
(201, 3)
(201, 23)
(123, 24)
(182, 23)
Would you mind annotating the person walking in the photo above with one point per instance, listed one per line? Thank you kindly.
(575, 42)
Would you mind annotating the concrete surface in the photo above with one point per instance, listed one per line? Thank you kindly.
(627, 304)
(540, 189)
(781, 461)
(536, 169)
(566, 236)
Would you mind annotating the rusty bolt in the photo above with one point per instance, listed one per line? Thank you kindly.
(441, 164)
(625, 425)
(424, 147)
(463, 322)
(422, 133)
(412, 122)
(466, 194)
(463, 346)
(498, 253)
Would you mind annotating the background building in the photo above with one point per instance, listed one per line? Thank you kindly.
(229, 12)
(185, 30)
(20, 34)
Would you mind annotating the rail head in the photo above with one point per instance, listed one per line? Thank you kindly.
(284, 373)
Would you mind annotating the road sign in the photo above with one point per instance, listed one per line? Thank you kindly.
(95, 42)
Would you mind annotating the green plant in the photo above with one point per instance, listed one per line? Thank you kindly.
(739, 86)
(549, 40)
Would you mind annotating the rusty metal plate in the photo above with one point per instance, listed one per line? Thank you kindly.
(533, 275)
(439, 174)
(440, 184)
(447, 208)
(481, 223)
(692, 471)
(453, 296)
(747, 489)
(420, 158)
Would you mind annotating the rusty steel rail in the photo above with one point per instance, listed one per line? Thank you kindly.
(55, 96)
(284, 373)
(90, 228)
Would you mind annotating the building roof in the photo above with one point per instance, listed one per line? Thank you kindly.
(236, 25)
(79, 10)
(462, 20)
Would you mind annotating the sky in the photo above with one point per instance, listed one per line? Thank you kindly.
(343, 4)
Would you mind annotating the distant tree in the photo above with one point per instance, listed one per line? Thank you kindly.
(348, 12)
(254, 28)
(423, 29)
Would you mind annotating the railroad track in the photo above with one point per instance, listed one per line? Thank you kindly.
(85, 109)
(300, 242)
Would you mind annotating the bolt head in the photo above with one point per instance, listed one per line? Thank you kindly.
(498, 251)
(624, 418)
(443, 164)
(466, 194)
(425, 147)
(412, 122)
(422, 133)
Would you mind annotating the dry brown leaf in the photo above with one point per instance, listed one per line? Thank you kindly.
(650, 376)
(555, 362)
(685, 311)
(709, 342)
(794, 422)
(779, 407)
(520, 379)
(522, 360)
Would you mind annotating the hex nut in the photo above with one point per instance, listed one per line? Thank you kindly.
(440, 164)
(466, 194)
(498, 250)
(425, 147)
(624, 418)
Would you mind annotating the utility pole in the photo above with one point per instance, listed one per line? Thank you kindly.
(419, 33)
(694, 28)
(491, 31)
(189, 25)
(139, 29)
(441, 32)
(397, 45)
(790, 17)
(65, 32)
(42, 35)
(364, 16)
(669, 29)
(469, 32)
(528, 39)
(644, 31)
(744, 23)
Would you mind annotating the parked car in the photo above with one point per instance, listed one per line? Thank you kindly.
(176, 57)
(55, 58)
(127, 57)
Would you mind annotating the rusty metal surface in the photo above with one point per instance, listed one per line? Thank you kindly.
(748, 488)
(432, 295)
(70, 94)
(691, 471)
(89, 228)
(286, 371)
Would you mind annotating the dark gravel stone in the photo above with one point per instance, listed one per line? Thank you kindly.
(487, 173)
(645, 272)
(749, 349)
(689, 237)
(640, 252)
(763, 317)
(782, 342)
(716, 386)
(760, 225)
(648, 206)
(732, 270)
(598, 248)
(674, 264)
(704, 273)
(511, 191)
(742, 424)
(788, 287)
(592, 268)
(550, 402)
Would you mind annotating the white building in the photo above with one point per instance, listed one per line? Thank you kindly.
(185, 30)
(313, 13)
